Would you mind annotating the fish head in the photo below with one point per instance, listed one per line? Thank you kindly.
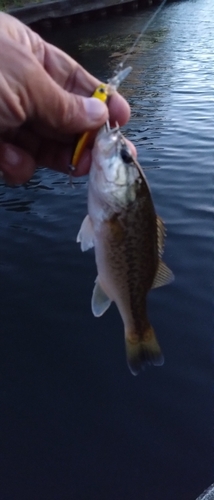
(113, 171)
(106, 153)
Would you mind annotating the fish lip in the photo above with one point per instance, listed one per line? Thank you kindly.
(107, 131)
(108, 139)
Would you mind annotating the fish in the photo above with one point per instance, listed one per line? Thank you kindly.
(128, 239)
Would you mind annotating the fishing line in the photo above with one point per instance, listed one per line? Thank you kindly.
(113, 83)
(144, 29)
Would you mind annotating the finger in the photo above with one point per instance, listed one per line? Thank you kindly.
(74, 78)
(119, 110)
(66, 71)
(49, 73)
(46, 152)
(132, 147)
(55, 156)
(61, 67)
(16, 165)
(63, 112)
(84, 164)
(24, 138)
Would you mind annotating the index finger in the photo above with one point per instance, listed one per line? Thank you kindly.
(67, 72)
(74, 78)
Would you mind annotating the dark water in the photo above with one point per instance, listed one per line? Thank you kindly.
(74, 423)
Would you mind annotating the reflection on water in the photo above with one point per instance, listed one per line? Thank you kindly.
(75, 423)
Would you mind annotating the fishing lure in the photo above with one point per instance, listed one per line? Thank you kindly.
(102, 92)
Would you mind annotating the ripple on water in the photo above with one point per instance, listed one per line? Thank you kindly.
(64, 371)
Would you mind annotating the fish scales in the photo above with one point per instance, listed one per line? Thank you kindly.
(139, 250)
(128, 239)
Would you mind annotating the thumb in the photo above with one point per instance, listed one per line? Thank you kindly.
(61, 110)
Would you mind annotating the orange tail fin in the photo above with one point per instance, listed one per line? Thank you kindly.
(143, 349)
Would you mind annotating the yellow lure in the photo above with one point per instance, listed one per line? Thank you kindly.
(101, 93)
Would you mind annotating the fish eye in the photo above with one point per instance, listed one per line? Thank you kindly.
(126, 155)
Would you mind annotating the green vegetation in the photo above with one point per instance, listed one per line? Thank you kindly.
(6, 5)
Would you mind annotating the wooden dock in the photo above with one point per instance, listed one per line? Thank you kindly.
(80, 10)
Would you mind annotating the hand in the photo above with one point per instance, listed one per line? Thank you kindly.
(44, 101)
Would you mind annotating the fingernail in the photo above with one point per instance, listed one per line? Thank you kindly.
(11, 156)
(94, 108)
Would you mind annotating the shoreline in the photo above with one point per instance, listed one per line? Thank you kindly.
(73, 10)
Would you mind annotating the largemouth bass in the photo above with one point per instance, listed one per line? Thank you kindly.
(128, 238)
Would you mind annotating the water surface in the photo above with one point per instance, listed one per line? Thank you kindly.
(74, 423)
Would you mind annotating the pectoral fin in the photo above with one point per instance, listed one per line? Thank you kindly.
(100, 302)
(163, 276)
(85, 235)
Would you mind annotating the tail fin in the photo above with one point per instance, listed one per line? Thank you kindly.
(142, 350)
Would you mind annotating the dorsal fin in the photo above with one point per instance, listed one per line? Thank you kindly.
(163, 275)
(161, 233)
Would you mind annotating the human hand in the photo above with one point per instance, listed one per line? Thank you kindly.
(44, 101)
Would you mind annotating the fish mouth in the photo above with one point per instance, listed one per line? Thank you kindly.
(114, 148)
(109, 140)
(115, 135)
(122, 147)
(112, 131)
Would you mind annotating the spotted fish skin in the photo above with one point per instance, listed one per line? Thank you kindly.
(123, 228)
